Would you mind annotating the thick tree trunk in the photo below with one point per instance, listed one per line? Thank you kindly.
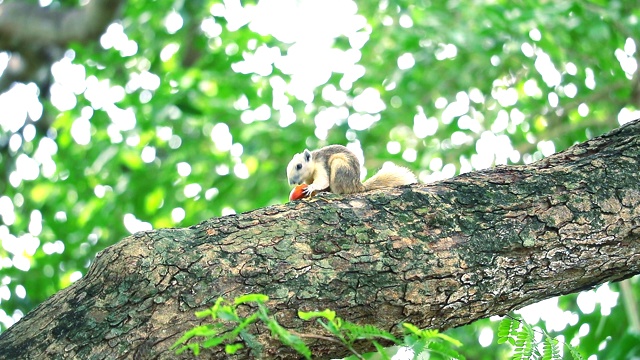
(437, 255)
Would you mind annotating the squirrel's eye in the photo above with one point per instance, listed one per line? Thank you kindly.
(299, 166)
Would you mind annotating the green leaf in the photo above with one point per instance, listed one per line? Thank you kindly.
(327, 314)
(412, 329)
(333, 328)
(382, 351)
(213, 311)
(214, 341)
(416, 344)
(180, 350)
(289, 339)
(252, 342)
(226, 312)
(204, 313)
(202, 330)
(449, 339)
(251, 298)
(430, 334)
(443, 350)
(232, 348)
(355, 332)
(195, 348)
(575, 354)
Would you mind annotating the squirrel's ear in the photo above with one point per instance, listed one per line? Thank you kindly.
(307, 155)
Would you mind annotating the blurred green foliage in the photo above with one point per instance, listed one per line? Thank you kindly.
(464, 85)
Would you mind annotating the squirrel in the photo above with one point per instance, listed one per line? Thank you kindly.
(336, 168)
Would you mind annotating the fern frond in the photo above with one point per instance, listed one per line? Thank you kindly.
(289, 339)
(355, 332)
(252, 343)
(446, 352)
(575, 354)
(416, 343)
(382, 351)
(525, 340)
(550, 350)
(507, 330)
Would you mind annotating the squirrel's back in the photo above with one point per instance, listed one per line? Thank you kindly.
(343, 168)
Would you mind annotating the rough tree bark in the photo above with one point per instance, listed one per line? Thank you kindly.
(437, 255)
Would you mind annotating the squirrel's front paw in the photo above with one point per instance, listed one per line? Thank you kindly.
(308, 190)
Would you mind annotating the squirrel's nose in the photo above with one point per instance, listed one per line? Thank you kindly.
(294, 180)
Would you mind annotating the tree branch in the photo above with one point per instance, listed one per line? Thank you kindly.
(38, 37)
(437, 255)
(27, 25)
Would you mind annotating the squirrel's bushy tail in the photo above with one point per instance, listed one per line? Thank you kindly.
(389, 176)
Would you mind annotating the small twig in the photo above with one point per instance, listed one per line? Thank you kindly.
(313, 336)
(330, 339)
